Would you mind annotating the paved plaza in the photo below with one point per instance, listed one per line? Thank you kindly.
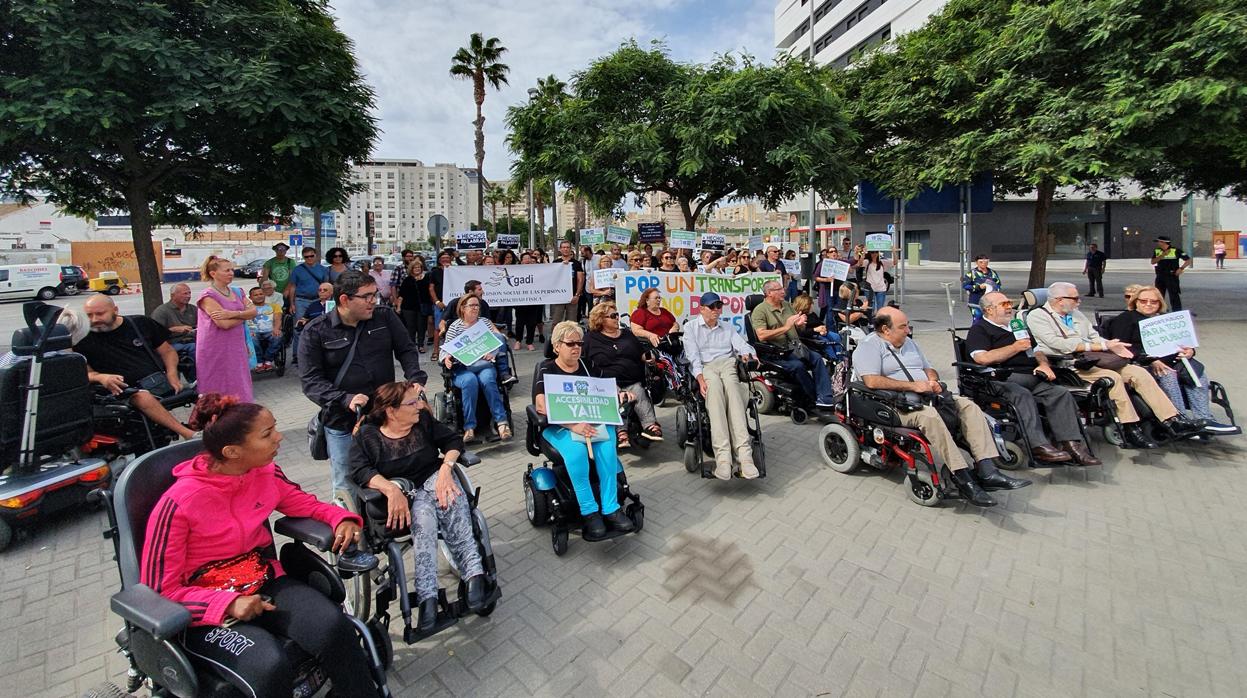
(1125, 579)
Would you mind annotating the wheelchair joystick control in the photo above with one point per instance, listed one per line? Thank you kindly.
(355, 560)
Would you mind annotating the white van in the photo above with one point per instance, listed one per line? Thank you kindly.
(41, 281)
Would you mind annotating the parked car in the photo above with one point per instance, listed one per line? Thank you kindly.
(73, 279)
(26, 281)
(250, 270)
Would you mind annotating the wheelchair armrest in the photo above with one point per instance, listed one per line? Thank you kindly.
(150, 612)
(317, 534)
(535, 417)
(180, 399)
(468, 459)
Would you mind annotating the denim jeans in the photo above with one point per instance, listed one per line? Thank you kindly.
(339, 443)
(267, 346)
(469, 380)
(300, 307)
(811, 373)
(878, 299)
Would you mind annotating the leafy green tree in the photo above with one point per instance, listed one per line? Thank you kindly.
(636, 121)
(494, 196)
(173, 111)
(481, 62)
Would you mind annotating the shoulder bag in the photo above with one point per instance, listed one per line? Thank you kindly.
(317, 441)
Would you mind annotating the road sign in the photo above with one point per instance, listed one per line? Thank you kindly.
(438, 225)
(296, 241)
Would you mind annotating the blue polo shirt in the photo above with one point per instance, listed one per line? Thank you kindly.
(307, 278)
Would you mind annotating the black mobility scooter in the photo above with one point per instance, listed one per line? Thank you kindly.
(153, 624)
(548, 495)
(770, 383)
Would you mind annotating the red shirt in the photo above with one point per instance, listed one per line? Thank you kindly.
(659, 324)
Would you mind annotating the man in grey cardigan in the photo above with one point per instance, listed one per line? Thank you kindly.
(1058, 327)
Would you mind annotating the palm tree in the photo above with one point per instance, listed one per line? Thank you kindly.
(510, 197)
(541, 193)
(493, 197)
(480, 62)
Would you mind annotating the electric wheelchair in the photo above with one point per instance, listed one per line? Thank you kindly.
(868, 431)
(371, 593)
(549, 498)
(771, 384)
(692, 423)
(153, 624)
(448, 403)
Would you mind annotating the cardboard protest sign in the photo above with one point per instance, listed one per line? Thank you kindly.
(683, 240)
(576, 399)
(471, 239)
(681, 292)
(605, 278)
(472, 344)
(793, 266)
(592, 236)
(1163, 335)
(713, 242)
(617, 235)
(511, 284)
(834, 269)
(755, 243)
(507, 241)
(879, 242)
(651, 232)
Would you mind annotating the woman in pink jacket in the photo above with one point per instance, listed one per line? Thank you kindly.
(208, 548)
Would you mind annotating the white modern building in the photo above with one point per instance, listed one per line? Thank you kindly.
(844, 29)
(402, 195)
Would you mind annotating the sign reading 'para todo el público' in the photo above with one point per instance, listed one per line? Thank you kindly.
(576, 399)
(473, 344)
(1166, 334)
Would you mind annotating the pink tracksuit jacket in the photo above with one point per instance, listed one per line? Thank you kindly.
(206, 516)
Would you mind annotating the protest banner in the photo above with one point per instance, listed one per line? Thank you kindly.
(713, 242)
(683, 240)
(1163, 335)
(879, 242)
(512, 284)
(576, 399)
(793, 266)
(617, 235)
(651, 232)
(471, 239)
(605, 278)
(834, 269)
(681, 292)
(755, 243)
(592, 236)
(472, 344)
(507, 241)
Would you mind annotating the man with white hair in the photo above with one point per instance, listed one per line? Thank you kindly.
(1060, 328)
(124, 352)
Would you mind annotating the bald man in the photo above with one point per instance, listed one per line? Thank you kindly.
(179, 317)
(122, 352)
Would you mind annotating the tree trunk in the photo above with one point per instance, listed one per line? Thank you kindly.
(316, 213)
(540, 205)
(690, 218)
(141, 233)
(578, 206)
(1039, 240)
(478, 92)
(508, 218)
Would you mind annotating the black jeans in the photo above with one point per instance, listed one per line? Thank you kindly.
(1095, 278)
(526, 319)
(417, 322)
(252, 651)
(1169, 284)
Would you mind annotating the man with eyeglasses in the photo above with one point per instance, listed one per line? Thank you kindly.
(305, 281)
(776, 322)
(712, 348)
(379, 337)
(1059, 328)
(1029, 383)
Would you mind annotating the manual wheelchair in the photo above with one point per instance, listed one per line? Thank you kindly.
(371, 593)
(150, 637)
(448, 403)
(549, 498)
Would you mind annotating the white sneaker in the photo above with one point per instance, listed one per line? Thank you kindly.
(749, 471)
(723, 472)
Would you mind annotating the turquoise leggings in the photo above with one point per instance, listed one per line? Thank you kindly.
(576, 460)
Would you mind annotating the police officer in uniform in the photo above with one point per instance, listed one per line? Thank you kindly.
(1170, 262)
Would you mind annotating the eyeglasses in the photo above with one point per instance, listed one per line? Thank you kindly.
(1070, 298)
(714, 306)
(613, 316)
(575, 345)
(667, 256)
(1148, 301)
(413, 403)
(370, 297)
(309, 255)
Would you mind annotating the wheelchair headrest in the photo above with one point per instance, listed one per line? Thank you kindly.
(752, 301)
(135, 496)
(1034, 297)
(41, 333)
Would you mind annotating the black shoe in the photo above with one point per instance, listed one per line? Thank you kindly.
(1135, 438)
(970, 490)
(1219, 429)
(1179, 425)
(992, 479)
(355, 560)
(476, 593)
(619, 521)
(593, 528)
(428, 615)
(509, 379)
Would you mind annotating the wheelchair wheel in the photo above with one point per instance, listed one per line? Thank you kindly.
(441, 407)
(6, 534)
(681, 425)
(839, 448)
(766, 398)
(1113, 435)
(923, 492)
(536, 504)
(691, 462)
(759, 456)
(637, 515)
(385, 644)
(358, 601)
(107, 690)
(1015, 457)
(558, 538)
(799, 416)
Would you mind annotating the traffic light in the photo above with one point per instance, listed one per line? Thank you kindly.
(370, 226)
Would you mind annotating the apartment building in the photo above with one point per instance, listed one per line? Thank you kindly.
(403, 194)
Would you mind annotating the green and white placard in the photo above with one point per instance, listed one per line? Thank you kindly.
(473, 343)
(879, 242)
(617, 235)
(576, 399)
(592, 236)
(683, 240)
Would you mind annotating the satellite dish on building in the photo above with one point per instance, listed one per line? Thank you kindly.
(438, 225)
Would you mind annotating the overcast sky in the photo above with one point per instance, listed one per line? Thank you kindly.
(404, 49)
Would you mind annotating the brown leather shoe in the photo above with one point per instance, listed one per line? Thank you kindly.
(1050, 454)
(1081, 453)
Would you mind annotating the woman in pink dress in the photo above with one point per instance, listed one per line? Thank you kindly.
(221, 358)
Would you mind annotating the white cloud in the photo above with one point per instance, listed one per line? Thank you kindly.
(404, 49)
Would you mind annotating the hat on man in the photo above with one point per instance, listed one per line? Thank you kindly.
(1164, 239)
(710, 298)
(282, 245)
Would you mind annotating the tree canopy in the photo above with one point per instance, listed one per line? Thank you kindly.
(172, 111)
(635, 121)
